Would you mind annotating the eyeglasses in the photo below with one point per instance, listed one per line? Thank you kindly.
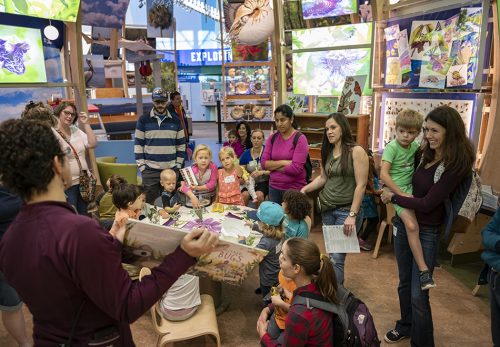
(69, 113)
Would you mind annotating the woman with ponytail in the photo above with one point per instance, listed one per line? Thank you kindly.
(312, 272)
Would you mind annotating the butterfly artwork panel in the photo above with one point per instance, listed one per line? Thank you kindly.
(393, 103)
(350, 99)
(437, 42)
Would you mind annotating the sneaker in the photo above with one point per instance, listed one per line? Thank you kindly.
(393, 336)
(426, 281)
(365, 246)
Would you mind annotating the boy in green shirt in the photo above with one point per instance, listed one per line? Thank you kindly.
(398, 166)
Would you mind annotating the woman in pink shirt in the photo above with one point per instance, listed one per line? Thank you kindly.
(284, 160)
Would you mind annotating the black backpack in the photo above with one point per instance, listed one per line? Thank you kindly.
(353, 325)
(308, 164)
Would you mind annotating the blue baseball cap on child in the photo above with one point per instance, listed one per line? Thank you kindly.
(269, 213)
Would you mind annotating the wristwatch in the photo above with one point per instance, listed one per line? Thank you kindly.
(353, 214)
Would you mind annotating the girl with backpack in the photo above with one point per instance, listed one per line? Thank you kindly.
(343, 179)
(284, 156)
(446, 152)
(312, 272)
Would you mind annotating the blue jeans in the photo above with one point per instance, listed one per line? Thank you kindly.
(276, 195)
(74, 198)
(338, 217)
(416, 316)
(494, 282)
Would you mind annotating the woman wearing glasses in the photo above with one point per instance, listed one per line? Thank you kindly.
(75, 140)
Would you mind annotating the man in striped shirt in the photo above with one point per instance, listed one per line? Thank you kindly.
(160, 143)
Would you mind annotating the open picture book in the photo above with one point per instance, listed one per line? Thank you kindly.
(146, 244)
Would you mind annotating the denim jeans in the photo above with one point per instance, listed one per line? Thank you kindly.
(276, 195)
(494, 281)
(74, 198)
(416, 316)
(338, 217)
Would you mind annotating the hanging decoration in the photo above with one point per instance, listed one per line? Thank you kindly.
(145, 68)
(253, 22)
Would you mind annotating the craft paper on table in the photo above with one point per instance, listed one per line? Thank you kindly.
(350, 99)
(333, 36)
(457, 76)
(21, 55)
(235, 227)
(392, 32)
(421, 38)
(393, 73)
(324, 72)
(328, 8)
(65, 10)
(147, 244)
(337, 242)
(326, 104)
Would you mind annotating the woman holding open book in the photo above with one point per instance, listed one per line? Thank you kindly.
(72, 279)
(344, 173)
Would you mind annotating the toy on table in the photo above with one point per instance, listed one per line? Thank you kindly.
(218, 207)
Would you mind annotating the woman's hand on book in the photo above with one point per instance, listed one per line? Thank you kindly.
(199, 241)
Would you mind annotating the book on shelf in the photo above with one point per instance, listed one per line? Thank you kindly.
(146, 244)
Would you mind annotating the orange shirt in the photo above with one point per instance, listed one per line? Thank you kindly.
(181, 116)
(279, 313)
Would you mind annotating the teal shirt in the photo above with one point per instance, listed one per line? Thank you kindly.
(296, 228)
(402, 163)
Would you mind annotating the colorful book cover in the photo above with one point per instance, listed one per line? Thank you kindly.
(188, 176)
(146, 244)
(350, 99)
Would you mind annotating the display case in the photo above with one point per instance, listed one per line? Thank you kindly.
(312, 125)
(248, 91)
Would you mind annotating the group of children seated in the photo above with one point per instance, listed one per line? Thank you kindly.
(275, 222)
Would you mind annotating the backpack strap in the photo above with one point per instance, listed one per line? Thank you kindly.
(311, 303)
(295, 138)
(273, 138)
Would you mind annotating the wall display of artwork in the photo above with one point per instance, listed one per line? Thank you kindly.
(328, 8)
(255, 111)
(93, 67)
(13, 100)
(467, 104)
(298, 103)
(104, 13)
(248, 80)
(160, 15)
(326, 104)
(21, 55)
(258, 52)
(350, 100)
(324, 72)
(421, 51)
(65, 10)
(336, 36)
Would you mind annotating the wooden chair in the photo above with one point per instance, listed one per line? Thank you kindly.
(386, 223)
(203, 322)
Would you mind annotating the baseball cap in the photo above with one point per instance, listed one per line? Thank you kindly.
(269, 213)
(159, 94)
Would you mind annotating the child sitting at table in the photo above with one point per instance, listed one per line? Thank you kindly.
(168, 201)
(270, 216)
(234, 143)
(129, 200)
(228, 182)
(105, 204)
(205, 172)
(297, 208)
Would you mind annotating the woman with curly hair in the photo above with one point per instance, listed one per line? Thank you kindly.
(71, 267)
(76, 142)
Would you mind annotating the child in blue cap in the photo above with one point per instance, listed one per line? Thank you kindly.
(269, 216)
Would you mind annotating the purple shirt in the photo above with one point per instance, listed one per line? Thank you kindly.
(293, 176)
(55, 259)
(428, 197)
(237, 146)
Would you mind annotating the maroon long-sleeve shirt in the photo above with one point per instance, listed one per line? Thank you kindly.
(55, 259)
(428, 197)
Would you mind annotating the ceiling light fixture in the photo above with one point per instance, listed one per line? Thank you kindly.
(51, 32)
